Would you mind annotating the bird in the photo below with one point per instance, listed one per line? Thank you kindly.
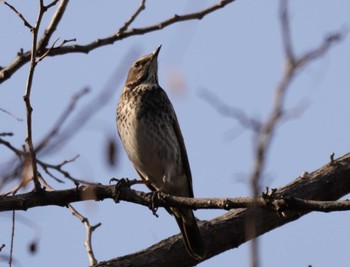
(150, 133)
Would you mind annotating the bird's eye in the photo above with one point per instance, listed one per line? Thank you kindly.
(138, 64)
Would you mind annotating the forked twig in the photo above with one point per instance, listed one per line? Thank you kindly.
(89, 228)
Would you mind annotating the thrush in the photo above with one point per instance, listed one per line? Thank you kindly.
(150, 133)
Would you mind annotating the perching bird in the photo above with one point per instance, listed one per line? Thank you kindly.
(149, 130)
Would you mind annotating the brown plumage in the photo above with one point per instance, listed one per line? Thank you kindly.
(149, 130)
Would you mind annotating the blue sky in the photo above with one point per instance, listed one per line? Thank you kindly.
(235, 53)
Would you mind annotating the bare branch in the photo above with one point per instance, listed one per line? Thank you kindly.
(329, 41)
(64, 116)
(286, 33)
(326, 183)
(88, 245)
(23, 58)
(58, 168)
(26, 98)
(228, 111)
(18, 152)
(53, 3)
(6, 134)
(89, 229)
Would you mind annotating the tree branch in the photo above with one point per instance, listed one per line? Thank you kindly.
(23, 58)
(327, 183)
(312, 191)
(27, 94)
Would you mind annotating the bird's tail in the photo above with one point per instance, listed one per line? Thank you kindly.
(190, 233)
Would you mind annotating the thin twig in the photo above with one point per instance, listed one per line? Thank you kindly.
(53, 3)
(228, 111)
(18, 152)
(286, 33)
(47, 51)
(19, 14)
(17, 167)
(58, 168)
(12, 236)
(89, 229)
(132, 18)
(6, 134)
(12, 115)
(61, 120)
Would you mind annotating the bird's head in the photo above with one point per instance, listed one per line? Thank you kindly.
(144, 70)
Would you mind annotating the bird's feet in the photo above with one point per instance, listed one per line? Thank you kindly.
(123, 182)
(154, 196)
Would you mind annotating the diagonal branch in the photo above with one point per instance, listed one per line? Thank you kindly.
(126, 25)
(73, 102)
(19, 14)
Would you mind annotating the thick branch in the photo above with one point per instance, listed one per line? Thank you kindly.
(228, 231)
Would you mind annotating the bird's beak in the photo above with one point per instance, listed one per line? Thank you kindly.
(156, 52)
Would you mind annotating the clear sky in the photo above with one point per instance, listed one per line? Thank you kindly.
(235, 53)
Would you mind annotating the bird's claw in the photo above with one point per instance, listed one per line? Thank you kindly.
(154, 195)
(123, 182)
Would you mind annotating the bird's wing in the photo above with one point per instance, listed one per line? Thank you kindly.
(178, 134)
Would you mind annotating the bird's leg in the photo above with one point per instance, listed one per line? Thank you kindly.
(123, 182)
(154, 195)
